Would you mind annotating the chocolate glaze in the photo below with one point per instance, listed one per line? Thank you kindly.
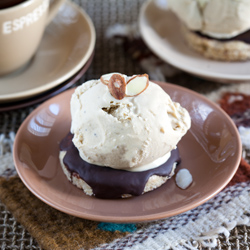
(243, 37)
(109, 183)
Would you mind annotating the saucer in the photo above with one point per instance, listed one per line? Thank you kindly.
(161, 31)
(48, 94)
(212, 160)
(66, 46)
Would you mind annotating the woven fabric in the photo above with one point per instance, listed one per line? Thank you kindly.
(221, 223)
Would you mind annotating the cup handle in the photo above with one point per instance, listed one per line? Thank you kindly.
(53, 9)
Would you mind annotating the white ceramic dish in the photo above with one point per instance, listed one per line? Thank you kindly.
(8, 106)
(66, 46)
(160, 30)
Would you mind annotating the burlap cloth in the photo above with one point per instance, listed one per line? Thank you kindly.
(221, 223)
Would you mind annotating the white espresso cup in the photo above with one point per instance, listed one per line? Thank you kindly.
(21, 29)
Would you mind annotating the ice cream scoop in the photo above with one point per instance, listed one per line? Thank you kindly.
(216, 18)
(134, 133)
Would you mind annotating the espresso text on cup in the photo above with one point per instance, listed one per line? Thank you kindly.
(24, 21)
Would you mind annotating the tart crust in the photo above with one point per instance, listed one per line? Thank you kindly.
(153, 182)
(215, 49)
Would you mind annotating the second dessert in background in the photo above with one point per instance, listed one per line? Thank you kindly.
(123, 138)
(217, 29)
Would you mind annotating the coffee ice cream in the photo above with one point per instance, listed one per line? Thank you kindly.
(216, 29)
(127, 125)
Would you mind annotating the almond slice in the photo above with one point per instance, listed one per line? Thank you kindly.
(105, 78)
(117, 86)
(136, 85)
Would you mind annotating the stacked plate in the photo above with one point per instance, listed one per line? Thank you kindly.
(64, 55)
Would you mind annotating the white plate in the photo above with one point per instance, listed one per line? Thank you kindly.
(67, 44)
(160, 30)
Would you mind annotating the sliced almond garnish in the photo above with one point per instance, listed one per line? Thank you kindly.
(106, 82)
(137, 85)
(117, 86)
(105, 78)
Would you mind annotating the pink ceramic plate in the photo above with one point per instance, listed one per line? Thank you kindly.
(211, 150)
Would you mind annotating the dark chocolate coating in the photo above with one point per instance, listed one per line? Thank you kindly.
(243, 37)
(109, 183)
